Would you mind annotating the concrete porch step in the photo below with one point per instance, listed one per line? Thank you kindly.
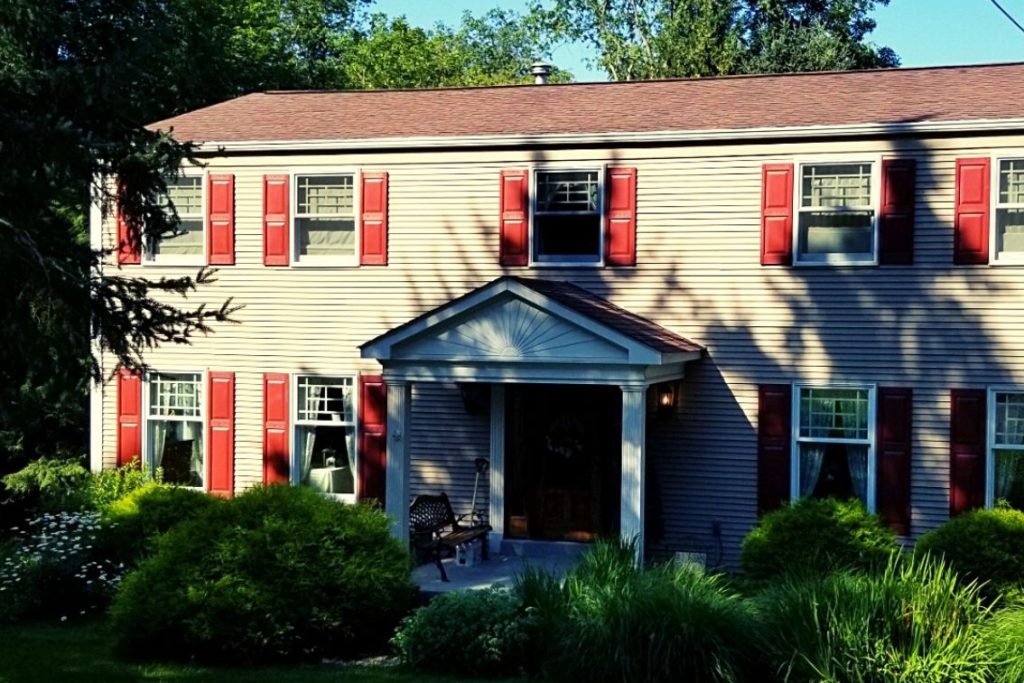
(543, 549)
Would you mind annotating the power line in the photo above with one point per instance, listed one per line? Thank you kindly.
(1007, 15)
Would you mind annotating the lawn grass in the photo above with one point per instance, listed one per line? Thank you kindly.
(82, 653)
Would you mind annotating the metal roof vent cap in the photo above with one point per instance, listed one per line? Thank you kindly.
(541, 71)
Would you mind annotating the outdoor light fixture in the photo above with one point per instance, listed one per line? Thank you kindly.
(475, 397)
(666, 398)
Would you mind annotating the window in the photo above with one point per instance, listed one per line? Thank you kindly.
(325, 223)
(834, 449)
(325, 434)
(567, 217)
(1006, 456)
(837, 217)
(185, 195)
(1009, 218)
(174, 427)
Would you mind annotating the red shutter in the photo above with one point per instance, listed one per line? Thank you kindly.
(220, 454)
(972, 212)
(620, 234)
(967, 421)
(373, 418)
(373, 206)
(777, 214)
(515, 242)
(275, 220)
(129, 251)
(129, 417)
(774, 447)
(894, 444)
(896, 222)
(275, 428)
(220, 223)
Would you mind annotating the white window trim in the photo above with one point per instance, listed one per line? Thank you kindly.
(990, 440)
(997, 159)
(796, 439)
(876, 202)
(148, 259)
(147, 455)
(294, 259)
(295, 423)
(602, 174)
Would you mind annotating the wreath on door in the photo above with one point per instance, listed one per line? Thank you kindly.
(564, 437)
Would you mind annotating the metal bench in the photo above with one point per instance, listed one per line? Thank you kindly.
(435, 528)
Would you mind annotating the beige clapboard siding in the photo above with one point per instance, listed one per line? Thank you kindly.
(930, 326)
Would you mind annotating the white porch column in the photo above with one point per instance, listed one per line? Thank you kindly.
(496, 508)
(634, 419)
(396, 495)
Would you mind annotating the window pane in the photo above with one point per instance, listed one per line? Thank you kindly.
(187, 196)
(568, 236)
(326, 236)
(176, 447)
(567, 191)
(320, 195)
(175, 395)
(834, 471)
(325, 399)
(1011, 181)
(327, 461)
(1009, 231)
(1009, 484)
(1009, 419)
(836, 185)
(834, 413)
(836, 233)
(188, 242)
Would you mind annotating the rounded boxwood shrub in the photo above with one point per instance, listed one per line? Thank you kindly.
(277, 573)
(472, 633)
(132, 523)
(816, 536)
(912, 621)
(982, 545)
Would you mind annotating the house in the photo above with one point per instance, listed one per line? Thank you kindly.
(657, 308)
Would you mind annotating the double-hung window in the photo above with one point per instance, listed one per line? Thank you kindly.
(325, 433)
(833, 443)
(1009, 211)
(567, 216)
(1006, 454)
(837, 218)
(325, 219)
(174, 427)
(187, 245)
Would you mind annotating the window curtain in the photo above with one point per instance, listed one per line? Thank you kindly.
(1008, 468)
(350, 449)
(811, 457)
(192, 431)
(857, 462)
(158, 432)
(309, 440)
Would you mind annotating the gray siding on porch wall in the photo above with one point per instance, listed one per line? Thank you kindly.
(930, 326)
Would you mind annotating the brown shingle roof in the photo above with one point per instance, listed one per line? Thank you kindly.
(811, 99)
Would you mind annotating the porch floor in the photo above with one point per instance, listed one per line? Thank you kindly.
(501, 569)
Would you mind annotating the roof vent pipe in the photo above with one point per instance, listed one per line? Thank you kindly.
(541, 71)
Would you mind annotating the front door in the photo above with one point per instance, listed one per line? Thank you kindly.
(563, 462)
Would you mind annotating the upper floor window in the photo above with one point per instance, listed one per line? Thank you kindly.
(837, 219)
(325, 219)
(834, 443)
(325, 432)
(1009, 213)
(1006, 456)
(187, 245)
(567, 217)
(174, 427)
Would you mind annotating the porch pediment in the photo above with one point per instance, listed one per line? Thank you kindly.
(515, 322)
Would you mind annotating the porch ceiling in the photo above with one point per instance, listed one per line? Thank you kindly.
(524, 330)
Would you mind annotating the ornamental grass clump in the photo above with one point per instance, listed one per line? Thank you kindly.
(1003, 634)
(914, 621)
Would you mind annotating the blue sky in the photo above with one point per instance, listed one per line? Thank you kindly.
(923, 32)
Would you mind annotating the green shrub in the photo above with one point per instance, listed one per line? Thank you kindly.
(1004, 635)
(982, 545)
(132, 523)
(50, 485)
(472, 633)
(613, 621)
(913, 621)
(108, 486)
(277, 573)
(816, 536)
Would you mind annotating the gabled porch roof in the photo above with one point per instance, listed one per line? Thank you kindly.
(517, 329)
